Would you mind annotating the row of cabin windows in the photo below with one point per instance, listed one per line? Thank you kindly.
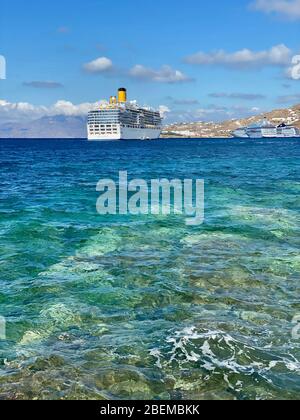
(105, 126)
(114, 127)
(151, 126)
(124, 120)
(103, 130)
(103, 121)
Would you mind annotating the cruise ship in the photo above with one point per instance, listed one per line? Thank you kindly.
(265, 129)
(123, 120)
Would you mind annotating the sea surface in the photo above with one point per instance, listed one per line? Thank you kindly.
(146, 307)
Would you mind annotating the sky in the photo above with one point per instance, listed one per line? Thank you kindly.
(196, 60)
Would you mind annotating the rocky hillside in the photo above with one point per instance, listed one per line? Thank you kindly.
(224, 129)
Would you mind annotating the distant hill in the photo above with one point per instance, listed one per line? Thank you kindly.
(47, 127)
(224, 129)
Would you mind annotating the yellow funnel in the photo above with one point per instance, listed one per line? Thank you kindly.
(122, 95)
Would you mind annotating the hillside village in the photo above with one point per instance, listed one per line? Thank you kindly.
(225, 128)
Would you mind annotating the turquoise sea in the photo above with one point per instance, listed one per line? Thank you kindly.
(145, 307)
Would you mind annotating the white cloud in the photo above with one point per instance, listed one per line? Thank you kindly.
(100, 65)
(24, 111)
(164, 110)
(293, 72)
(285, 8)
(69, 109)
(21, 111)
(10, 111)
(164, 75)
(20, 108)
(278, 55)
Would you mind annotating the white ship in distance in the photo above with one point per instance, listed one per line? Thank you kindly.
(123, 120)
(265, 129)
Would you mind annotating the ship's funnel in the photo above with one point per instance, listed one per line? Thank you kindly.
(113, 100)
(122, 95)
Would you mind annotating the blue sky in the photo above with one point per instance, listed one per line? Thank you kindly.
(189, 57)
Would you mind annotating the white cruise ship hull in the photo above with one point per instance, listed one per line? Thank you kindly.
(125, 133)
(240, 135)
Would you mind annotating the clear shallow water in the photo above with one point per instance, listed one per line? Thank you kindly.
(146, 307)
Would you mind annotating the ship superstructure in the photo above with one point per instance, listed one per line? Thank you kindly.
(288, 131)
(123, 120)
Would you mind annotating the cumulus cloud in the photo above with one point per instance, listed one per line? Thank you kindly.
(293, 72)
(10, 111)
(69, 109)
(100, 65)
(24, 111)
(164, 75)
(279, 55)
(285, 8)
(164, 110)
(43, 85)
(239, 96)
(18, 106)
